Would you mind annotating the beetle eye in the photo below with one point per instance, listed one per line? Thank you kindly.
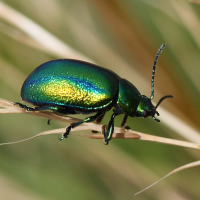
(145, 113)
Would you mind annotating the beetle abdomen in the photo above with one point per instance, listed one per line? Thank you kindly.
(71, 83)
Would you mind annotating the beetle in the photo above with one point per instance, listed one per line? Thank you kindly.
(67, 86)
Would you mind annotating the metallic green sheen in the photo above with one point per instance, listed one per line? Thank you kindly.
(128, 98)
(144, 104)
(71, 83)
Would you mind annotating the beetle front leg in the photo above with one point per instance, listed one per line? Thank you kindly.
(123, 124)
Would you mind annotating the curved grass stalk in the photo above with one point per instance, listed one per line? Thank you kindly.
(119, 133)
(193, 164)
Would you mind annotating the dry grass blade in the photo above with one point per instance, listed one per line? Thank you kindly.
(193, 164)
(36, 32)
(10, 107)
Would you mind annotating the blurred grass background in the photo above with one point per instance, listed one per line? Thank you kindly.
(123, 36)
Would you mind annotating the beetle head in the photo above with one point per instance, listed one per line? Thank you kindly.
(146, 108)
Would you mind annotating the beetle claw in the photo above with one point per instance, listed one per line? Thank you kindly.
(106, 142)
(156, 119)
(62, 138)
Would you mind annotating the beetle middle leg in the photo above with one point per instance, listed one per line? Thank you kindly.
(110, 128)
(73, 125)
(98, 121)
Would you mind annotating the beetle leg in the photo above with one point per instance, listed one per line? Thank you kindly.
(98, 121)
(46, 108)
(127, 128)
(123, 124)
(48, 122)
(55, 109)
(38, 108)
(73, 125)
(110, 129)
(104, 131)
(124, 121)
(24, 106)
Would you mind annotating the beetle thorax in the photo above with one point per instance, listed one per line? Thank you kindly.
(128, 98)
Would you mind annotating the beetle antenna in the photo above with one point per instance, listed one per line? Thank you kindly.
(154, 69)
(159, 102)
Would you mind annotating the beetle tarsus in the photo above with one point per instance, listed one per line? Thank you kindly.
(93, 131)
(127, 128)
(68, 129)
(65, 135)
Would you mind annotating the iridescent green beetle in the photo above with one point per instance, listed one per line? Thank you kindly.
(68, 86)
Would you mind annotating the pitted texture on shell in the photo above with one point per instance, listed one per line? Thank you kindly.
(71, 83)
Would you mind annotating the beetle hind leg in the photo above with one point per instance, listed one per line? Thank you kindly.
(24, 106)
(73, 125)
